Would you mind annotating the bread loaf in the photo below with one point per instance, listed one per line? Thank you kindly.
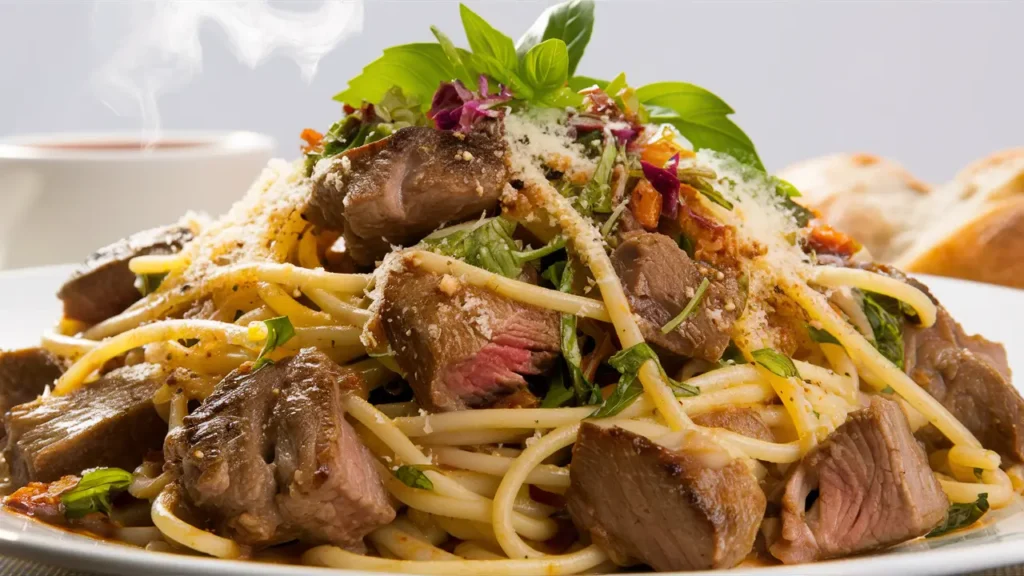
(862, 195)
(971, 227)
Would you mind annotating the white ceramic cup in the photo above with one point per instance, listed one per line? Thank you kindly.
(62, 196)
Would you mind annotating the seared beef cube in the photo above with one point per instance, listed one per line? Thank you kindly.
(329, 489)
(461, 346)
(104, 286)
(867, 486)
(110, 422)
(740, 420)
(681, 505)
(224, 451)
(269, 458)
(970, 377)
(399, 189)
(24, 374)
(660, 280)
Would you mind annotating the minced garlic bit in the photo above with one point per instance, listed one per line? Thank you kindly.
(448, 284)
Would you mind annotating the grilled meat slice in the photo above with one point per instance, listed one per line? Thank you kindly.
(399, 189)
(104, 286)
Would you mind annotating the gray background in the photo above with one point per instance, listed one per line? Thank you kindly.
(931, 84)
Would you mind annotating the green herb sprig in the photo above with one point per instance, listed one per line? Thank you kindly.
(413, 477)
(962, 515)
(775, 362)
(821, 336)
(146, 284)
(698, 295)
(887, 328)
(488, 244)
(279, 331)
(628, 388)
(94, 492)
(561, 275)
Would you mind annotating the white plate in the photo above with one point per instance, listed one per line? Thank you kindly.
(27, 306)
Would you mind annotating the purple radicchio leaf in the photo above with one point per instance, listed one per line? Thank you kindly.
(623, 135)
(455, 107)
(666, 182)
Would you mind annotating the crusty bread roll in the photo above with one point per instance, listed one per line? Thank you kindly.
(862, 195)
(971, 227)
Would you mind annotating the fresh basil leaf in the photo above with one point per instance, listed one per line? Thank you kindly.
(571, 22)
(93, 492)
(698, 295)
(450, 51)
(486, 244)
(887, 328)
(776, 363)
(487, 41)
(888, 390)
(732, 356)
(413, 477)
(522, 257)
(628, 388)
(418, 68)
(279, 331)
(784, 188)
(577, 83)
(563, 97)
(558, 393)
(821, 336)
(586, 392)
(545, 66)
(580, 83)
(146, 284)
(801, 215)
(961, 516)
(617, 84)
(491, 67)
(978, 473)
(700, 116)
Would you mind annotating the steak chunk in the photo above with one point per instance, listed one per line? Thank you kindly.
(329, 489)
(461, 346)
(110, 422)
(224, 454)
(970, 377)
(269, 458)
(740, 420)
(399, 189)
(24, 374)
(104, 286)
(684, 504)
(867, 486)
(660, 280)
